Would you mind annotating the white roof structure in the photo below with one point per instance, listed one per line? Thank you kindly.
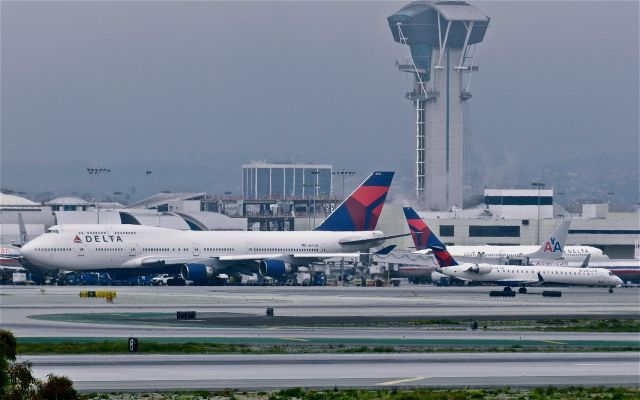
(154, 218)
(164, 198)
(87, 217)
(67, 201)
(16, 201)
(212, 221)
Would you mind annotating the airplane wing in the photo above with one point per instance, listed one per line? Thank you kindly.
(518, 281)
(373, 240)
(153, 260)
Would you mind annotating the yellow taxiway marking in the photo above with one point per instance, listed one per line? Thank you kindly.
(294, 339)
(417, 378)
(553, 342)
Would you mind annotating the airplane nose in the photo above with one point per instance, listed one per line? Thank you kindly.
(27, 251)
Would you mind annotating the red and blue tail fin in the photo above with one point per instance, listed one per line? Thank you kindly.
(361, 210)
(424, 238)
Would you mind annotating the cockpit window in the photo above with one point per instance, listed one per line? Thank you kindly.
(52, 230)
(610, 273)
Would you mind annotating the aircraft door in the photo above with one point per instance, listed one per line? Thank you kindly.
(196, 249)
(81, 249)
(132, 250)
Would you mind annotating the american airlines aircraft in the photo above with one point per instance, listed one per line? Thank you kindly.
(552, 249)
(511, 275)
(10, 253)
(126, 250)
(10, 259)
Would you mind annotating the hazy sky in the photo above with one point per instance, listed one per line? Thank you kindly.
(192, 90)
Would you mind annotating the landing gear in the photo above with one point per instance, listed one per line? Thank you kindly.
(507, 289)
(610, 290)
(522, 290)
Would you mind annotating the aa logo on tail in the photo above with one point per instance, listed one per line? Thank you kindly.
(552, 246)
(77, 239)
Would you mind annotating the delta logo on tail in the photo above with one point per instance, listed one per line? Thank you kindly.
(424, 238)
(361, 210)
(77, 239)
(419, 230)
(552, 246)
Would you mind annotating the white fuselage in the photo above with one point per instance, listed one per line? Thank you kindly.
(104, 247)
(570, 253)
(505, 274)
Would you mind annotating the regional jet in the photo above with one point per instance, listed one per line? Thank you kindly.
(511, 275)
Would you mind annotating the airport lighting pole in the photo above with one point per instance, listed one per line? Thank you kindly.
(343, 173)
(147, 175)
(224, 207)
(539, 185)
(97, 171)
(315, 195)
(308, 185)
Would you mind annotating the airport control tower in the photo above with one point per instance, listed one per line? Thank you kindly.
(441, 36)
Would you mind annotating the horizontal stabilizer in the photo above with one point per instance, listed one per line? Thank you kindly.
(385, 250)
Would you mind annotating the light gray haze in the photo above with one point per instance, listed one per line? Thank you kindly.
(192, 90)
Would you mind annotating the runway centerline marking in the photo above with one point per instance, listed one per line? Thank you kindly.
(294, 339)
(417, 378)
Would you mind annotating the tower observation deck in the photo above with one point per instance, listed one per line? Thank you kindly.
(441, 36)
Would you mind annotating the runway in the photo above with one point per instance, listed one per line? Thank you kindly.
(319, 316)
(28, 312)
(162, 372)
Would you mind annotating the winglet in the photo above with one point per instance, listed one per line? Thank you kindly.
(585, 263)
(361, 210)
(24, 238)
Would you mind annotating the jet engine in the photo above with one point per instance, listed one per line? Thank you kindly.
(196, 272)
(274, 268)
(480, 268)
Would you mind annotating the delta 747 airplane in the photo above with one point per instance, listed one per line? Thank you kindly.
(126, 250)
(508, 275)
(552, 249)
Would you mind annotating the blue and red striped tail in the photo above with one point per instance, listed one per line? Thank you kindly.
(424, 238)
(361, 210)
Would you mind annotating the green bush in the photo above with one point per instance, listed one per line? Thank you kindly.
(57, 388)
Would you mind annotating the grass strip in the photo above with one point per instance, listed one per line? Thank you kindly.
(145, 346)
(168, 319)
(552, 393)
